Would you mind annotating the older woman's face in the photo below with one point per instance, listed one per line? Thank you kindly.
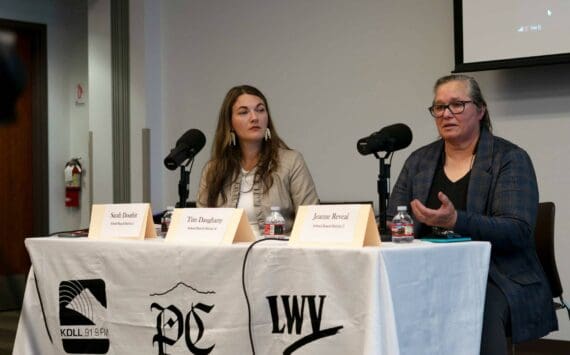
(249, 118)
(457, 127)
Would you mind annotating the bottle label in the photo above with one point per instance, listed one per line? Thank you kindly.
(165, 222)
(272, 229)
(402, 230)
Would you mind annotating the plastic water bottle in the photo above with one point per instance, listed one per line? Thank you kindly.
(165, 221)
(274, 224)
(402, 226)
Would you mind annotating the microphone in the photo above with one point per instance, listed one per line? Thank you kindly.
(388, 139)
(186, 147)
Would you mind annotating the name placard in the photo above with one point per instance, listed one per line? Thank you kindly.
(121, 221)
(335, 225)
(209, 226)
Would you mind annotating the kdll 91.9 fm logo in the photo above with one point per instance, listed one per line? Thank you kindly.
(82, 311)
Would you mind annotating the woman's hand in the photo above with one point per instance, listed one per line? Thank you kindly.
(445, 216)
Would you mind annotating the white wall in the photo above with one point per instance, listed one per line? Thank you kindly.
(66, 67)
(320, 64)
(100, 109)
(146, 96)
(335, 71)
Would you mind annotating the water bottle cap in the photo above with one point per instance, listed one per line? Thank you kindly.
(275, 208)
(402, 208)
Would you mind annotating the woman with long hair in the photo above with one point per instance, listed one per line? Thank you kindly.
(251, 167)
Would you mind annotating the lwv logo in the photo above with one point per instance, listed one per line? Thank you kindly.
(295, 309)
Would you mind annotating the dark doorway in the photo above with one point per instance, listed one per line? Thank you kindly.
(23, 162)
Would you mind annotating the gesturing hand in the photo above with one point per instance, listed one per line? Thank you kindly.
(445, 216)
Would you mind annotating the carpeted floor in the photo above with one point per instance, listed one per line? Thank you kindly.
(8, 325)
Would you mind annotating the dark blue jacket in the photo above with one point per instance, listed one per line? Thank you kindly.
(502, 202)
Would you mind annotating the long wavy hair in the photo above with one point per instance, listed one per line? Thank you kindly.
(224, 165)
(474, 92)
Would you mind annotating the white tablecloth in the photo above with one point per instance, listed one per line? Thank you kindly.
(151, 297)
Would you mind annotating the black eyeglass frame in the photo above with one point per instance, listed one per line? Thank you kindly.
(448, 107)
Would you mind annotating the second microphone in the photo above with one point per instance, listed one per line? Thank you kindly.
(187, 146)
(388, 139)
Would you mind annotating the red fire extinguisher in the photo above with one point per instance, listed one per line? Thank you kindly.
(72, 173)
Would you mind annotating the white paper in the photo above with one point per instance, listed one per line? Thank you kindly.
(330, 224)
(200, 225)
(124, 220)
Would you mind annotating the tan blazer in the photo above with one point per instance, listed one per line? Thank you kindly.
(292, 187)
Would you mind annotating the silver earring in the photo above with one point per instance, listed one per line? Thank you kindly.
(267, 134)
(232, 138)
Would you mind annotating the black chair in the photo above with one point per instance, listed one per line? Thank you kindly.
(544, 239)
(544, 242)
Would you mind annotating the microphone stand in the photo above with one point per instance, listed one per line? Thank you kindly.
(383, 194)
(183, 183)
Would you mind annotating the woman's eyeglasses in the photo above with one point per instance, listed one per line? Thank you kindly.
(456, 107)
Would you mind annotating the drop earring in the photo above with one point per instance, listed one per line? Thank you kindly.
(232, 138)
(267, 134)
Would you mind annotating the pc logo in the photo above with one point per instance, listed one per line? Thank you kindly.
(82, 312)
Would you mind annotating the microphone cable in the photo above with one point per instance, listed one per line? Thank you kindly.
(249, 327)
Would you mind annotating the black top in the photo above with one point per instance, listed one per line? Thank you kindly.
(456, 191)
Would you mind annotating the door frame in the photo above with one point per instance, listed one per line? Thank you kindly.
(12, 287)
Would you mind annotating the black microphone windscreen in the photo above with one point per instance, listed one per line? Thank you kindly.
(193, 138)
(388, 139)
(187, 146)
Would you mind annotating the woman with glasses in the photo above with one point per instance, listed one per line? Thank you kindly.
(475, 184)
(251, 167)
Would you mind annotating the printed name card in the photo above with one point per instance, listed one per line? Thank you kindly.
(209, 226)
(335, 225)
(121, 221)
